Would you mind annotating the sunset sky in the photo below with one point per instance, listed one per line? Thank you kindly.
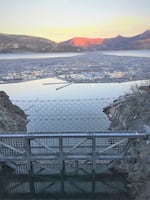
(60, 20)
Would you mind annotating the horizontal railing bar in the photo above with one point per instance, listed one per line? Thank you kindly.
(33, 135)
(56, 177)
(66, 157)
(59, 194)
(69, 147)
(61, 100)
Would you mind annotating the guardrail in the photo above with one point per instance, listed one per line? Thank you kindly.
(42, 151)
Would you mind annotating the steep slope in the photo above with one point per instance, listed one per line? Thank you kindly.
(12, 118)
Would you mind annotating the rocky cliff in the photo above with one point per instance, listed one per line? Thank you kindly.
(132, 112)
(12, 118)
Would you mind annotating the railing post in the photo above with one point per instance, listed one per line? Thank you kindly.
(61, 160)
(28, 155)
(93, 185)
(93, 153)
(77, 166)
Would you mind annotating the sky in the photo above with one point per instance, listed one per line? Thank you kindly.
(61, 20)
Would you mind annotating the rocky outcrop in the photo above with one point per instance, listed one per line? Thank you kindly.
(12, 118)
(132, 112)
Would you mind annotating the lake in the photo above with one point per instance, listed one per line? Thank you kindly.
(76, 107)
(10, 56)
(51, 105)
(134, 53)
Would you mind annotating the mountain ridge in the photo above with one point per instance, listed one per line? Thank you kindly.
(140, 41)
(11, 43)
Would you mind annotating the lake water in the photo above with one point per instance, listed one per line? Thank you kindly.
(10, 56)
(77, 107)
(135, 53)
(63, 187)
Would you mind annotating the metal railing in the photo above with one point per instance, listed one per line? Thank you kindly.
(47, 151)
(64, 134)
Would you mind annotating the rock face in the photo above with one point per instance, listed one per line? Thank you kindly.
(132, 112)
(12, 118)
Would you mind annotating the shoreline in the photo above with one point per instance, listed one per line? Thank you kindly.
(75, 81)
(93, 67)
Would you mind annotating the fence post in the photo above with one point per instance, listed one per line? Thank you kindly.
(61, 160)
(93, 152)
(28, 155)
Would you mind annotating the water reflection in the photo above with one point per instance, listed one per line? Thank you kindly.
(64, 186)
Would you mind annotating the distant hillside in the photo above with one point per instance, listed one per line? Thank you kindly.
(83, 42)
(21, 43)
(141, 41)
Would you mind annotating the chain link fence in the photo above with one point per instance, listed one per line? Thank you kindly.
(76, 115)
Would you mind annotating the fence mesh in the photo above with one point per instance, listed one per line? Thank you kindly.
(65, 115)
(48, 151)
